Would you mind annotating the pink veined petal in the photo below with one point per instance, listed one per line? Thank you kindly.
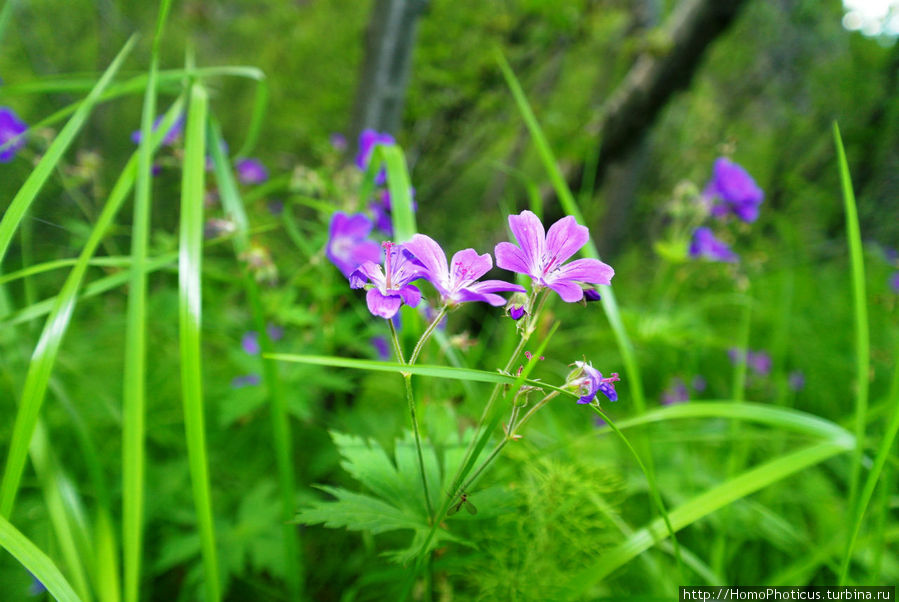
(382, 305)
(468, 266)
(531, 237)
(365, 252)
(509, 257)
(410, 295)
(588, 270)
(564, 239)
(429, 253)
(367, 271)
(568, 290)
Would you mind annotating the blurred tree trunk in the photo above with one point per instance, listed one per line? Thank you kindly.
(666, 67)
(389, 42)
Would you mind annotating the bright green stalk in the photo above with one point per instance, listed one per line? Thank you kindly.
(38, 177)
(862, 345)
(44, 356)
(190, 319)
(134, 377)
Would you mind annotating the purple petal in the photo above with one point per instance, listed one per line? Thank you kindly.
(250, 343)
(368, 271)
(564, 239)
(431, 256)
(589, 270)
(468, 266)
(251, 171)
(495, 286)
(469, 294)
(509, 257)
(568, 290)
(410, 295)
(381, 305)
(531, 237)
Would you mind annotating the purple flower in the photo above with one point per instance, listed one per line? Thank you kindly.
(389, 287)
(382, 348)
(589, 381)
(458, 285)
(704, 244)
(275, 333)
(516, 312)
(170, 137)
(732, 190)
(894, 282)
(675, 393)
(591, 295)
(368, 139)
(796, 380)
(250, 343)
(338, 141)
(251, 171)
(247, 380)
(541, 254)
(760, 362)
(11, 130)
(348, 247)
(699, 384)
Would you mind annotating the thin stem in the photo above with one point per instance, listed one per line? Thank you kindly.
(407, 378)
(533, 411)
(427, 335)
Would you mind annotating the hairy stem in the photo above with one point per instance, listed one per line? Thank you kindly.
(427, 335)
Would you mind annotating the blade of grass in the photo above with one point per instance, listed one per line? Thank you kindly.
(38, 177)
(233, 206)
(703, 505)
(862, 349)
(190, 320)
(63, 305)
(134, 380)
(36, 562)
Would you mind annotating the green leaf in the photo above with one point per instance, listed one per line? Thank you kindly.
(37, 563)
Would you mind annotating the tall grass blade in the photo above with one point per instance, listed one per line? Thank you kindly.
(38, 177)
(190, 319)
(704, 504)
(134, 377)
(36, 562)
(862, 344)
(44, 357)
(234, 208)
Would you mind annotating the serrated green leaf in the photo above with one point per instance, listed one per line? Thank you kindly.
(357, 512)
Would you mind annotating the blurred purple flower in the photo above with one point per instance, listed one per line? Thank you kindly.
(458, 285)
(251, 171)
(894, 282)
(540, 255)
(589, 381)
(760, 362)
(732, 190)
(516, 312)
(675, 393)
(796, 380)
(275, 333)
(699, 384)
(382, 348)
(338, 141)
(11, 130)
(704, 244)
(348, 245)
(170, 137)
(250, 342)
(389, 288)
(247, 380)
(368, 139)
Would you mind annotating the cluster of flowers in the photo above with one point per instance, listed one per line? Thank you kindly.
(349, 242)
(730, 192)
(678, 392)
(539, 254)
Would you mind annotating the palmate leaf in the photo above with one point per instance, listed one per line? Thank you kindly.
(394, 502)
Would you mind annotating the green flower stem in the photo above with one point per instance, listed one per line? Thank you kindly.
(531, 412)
(407, 378)
(427, 334)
